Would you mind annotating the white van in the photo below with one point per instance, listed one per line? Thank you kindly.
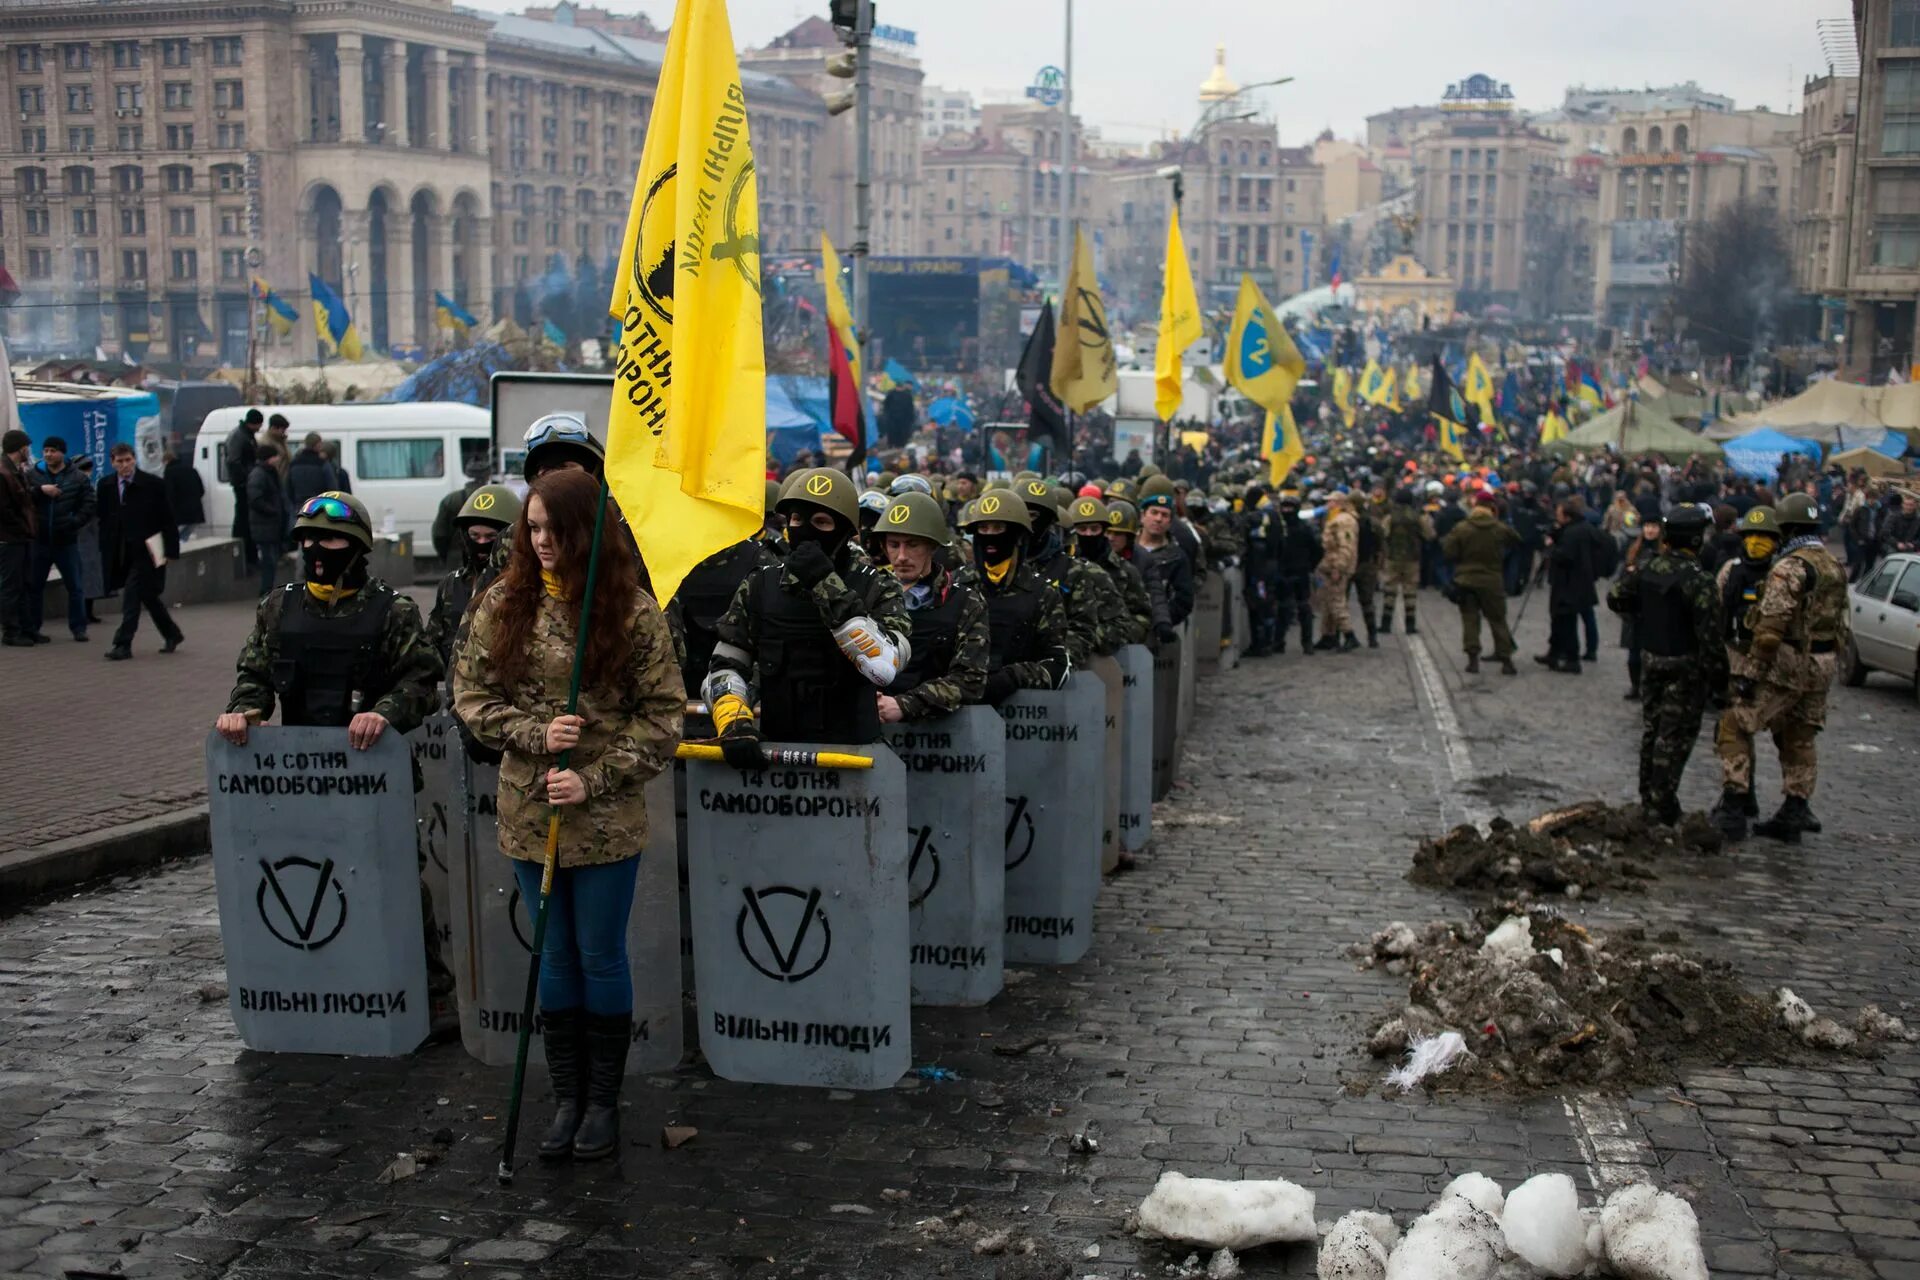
(401, 459)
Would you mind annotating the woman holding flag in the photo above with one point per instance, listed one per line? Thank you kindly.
(510, 687)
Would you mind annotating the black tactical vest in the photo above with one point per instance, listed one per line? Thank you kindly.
(809, 692)
(936, 633)
(705, 596)
(329, 668)
(1665, 621)
(1738, 596)
(1013, 620)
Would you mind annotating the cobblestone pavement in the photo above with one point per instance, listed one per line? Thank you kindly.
(1208, 1031)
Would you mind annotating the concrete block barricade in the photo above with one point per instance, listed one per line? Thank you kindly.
(1056, 774)
(1108, 671)
(493, 936)
(1136, 747)
(798, 894)
(956, 869)
(318, 886)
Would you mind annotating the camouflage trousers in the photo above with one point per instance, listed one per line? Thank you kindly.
(1401, 579)
(1366, 586)
(1490, 601)
(1673, 697)
(1333, 605)
(1793, 716)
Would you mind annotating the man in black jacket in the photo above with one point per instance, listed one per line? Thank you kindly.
(310, 473)
(17, 521)
(66, 505)
(1296, 556)
(238, 453)
(1575, 560)
(133, 507)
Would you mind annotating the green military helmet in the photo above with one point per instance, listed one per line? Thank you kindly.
(1760, 520)
(1122, 516)
(773, 497)
(917, 515)
(1087, 511)
(1062, 496)
(493, 504)
(1148, 472)
(825, 488)
(998, 482)
(996, 505)
(336, 512)
(1797, 510)
(1196, 496)
(1123, 488)
(1020, 476)
(884, 479)
(1156, 491)
(1037, 493)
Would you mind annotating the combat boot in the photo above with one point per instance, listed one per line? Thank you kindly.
(560, 1031)
(1410, 629)
(1373, 634)
(608, 1036)
(1306, 636)
(1386, 622)
(1326, 643)
(1473, 664)
(1787, 823)
(1729, 817)
(1348, 644)
(1507, 668)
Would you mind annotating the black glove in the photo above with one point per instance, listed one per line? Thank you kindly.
(809, 564)
(740, 745)
(1744, 688)
(1000, 686)
(1166, 632)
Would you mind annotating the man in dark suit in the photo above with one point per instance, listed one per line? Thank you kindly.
(133, 507)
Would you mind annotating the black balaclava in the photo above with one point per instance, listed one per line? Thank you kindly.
(333, 566)
(1092, 546)
(478, 555)
(832, 543)
(994, 548)
(1044, 541)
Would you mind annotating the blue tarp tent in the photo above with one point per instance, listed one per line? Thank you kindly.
(1883, 440)
(950, 411)
(1757, 454)
(797, 413)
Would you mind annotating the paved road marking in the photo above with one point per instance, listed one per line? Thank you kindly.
(1613, 1149)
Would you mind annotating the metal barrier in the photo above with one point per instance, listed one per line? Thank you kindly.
(1056, 772)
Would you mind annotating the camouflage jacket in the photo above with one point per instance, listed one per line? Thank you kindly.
(1096, 615)
(871, 593)
(451, 601)
(965, 679)
(1224, 535)
(1702, 597)
(630, 734)
(1802, 609)
(409, 665)
(1340, 540)
(1137, 624)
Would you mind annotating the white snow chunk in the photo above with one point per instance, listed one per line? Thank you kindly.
(1824, 1033)
(1511, 943)
(1794, 1012)
(1543, 1224)
(1651, 1235)
(1452, 1241)
(1356, 1248)
(1478, 1190)
(1874, 1023)
(1227, 1215)
(1223, 1266)
(1596, 1237)
(1428, 1056)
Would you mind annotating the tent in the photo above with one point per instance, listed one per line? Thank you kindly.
(1757, 454)
(1900, 409)
(797, 413)
(1817, 413)
(1871, 461)
(1880, 439)
(1635, 428)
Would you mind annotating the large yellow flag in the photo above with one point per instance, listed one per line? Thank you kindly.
(1343, 394)
(1282, 445)
(1552, 427)
(1179, 323)
(1373, 383)
(1450, 437)
(1479, 387)
(839, 314)
(1084, 371)
(1261, 358)
(1413, 384)
(687, 433)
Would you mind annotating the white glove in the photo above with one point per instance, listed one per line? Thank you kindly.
(879, 656)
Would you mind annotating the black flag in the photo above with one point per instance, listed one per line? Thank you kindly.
(1046, 416)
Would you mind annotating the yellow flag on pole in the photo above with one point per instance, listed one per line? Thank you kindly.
(1343, 394)
(1179, 323)
(1283, 446)
(1084, 370)
(839, 314)
(1261, 358)
(1373, 383)
(1413, 385)
(687, 434)
(1479, 387)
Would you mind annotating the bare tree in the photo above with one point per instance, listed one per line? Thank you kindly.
(1736, 280)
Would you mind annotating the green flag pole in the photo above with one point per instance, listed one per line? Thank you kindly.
(553, 853)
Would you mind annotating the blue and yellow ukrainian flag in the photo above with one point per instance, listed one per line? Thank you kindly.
(280, 314)
(332, 320)
(449, 314)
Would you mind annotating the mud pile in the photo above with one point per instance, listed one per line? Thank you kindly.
(1568, 852)
(1544, 1003)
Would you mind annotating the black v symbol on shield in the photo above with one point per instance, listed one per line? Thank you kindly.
(304, 928)
(783, 958)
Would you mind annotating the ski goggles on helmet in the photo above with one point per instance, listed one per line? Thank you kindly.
(559, 428)
(330, 508)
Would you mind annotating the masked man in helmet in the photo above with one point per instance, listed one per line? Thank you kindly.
(1799, 625)
(488, 513)
(1095, 612)
(1097, 528)
(1676, 611)
(1741, 579)
(952, 641)
(345, 650)
(816, 635)
(1026, 622)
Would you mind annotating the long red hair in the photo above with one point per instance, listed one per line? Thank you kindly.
(570, 498)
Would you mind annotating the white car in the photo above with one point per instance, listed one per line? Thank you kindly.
(1886, 622)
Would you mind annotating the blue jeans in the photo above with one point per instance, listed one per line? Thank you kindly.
(65, 558)
(269, 554)
(583, 962)
(1590, 626)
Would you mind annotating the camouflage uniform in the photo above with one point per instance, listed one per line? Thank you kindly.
(1477, 547)
(1136, 621)
(409, 672)
(1676, 609)
(1047, 661)
(1407, 531)
(451, 600)
(953, 679)
(630, 733)
(1370, 542)
(1096, 613)
(1340, 540)
(1798, 625)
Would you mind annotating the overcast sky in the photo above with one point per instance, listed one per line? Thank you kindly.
(1139, 62)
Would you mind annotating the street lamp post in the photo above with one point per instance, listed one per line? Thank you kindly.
(1068, 208)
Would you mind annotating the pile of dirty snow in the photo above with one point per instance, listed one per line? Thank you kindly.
(1568, 852)
(1539, 1002)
